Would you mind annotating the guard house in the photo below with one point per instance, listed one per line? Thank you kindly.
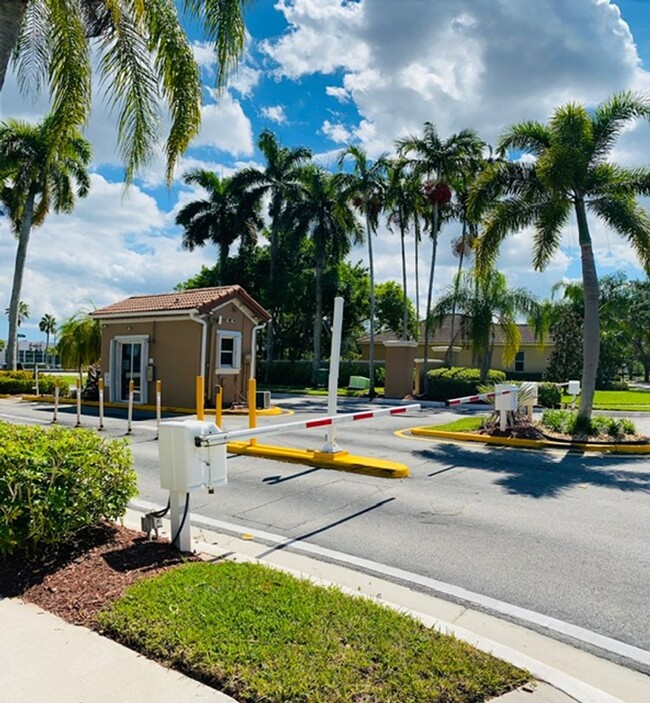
(175, 337)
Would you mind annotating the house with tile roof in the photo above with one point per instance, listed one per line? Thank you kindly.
(175, 337)
(532, 357)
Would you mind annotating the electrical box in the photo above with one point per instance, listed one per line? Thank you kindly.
(263, 400)
(574, 387)
(507, 401)
(184, 467)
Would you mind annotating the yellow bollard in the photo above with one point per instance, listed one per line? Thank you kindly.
(200, 401)
(218, 402)
(252, 408)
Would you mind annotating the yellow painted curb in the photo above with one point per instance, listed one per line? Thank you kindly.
(341, 461)
(531, 443)
(275, 410)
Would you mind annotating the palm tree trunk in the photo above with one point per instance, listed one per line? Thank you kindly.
(11, 17)
(223, 260)
(371, 353)
(591, 327)
(434, 250)
(405, 316)
(448, 356)
(318, 321)
(19, 270)
(417, 277)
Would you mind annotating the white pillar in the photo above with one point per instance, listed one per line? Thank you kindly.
(180, 529)
(335, 358)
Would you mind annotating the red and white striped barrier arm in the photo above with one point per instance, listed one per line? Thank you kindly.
(478, 396)
(225, 437)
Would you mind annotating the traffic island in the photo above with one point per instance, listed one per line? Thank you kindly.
(340, 461)
(609, 447)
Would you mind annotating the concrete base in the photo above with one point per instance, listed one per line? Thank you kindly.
(341, 461)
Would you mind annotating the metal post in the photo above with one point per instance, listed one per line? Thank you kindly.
(332, 388)
(252, 408)
(181, 529)
(36, 377)
(158, 406)
(129, 418)
(79, 382)
(56, 400)
(101, 404)
(218, 402)
(200, 400)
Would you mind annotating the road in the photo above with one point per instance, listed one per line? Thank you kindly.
(563, 535)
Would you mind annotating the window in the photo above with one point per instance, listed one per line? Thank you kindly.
(519, 361)
(228, 352)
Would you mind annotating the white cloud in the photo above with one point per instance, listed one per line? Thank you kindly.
(341, 94)
(336, 132)
(225, 127)
(275, 113)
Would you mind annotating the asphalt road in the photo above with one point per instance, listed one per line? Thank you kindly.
(564, 535)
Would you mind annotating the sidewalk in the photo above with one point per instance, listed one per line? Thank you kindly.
(51, 661)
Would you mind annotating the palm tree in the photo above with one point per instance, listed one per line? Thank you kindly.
(144, 55)
(220, 219)
(47, 325)
(440, 162)
(80, 341)
(569, 173)
(365, 187)
(322, 213)
(401, 205)
(485, 303)
(35, 178)
(279, 182)
(22, 314)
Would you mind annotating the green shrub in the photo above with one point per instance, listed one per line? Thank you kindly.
(55, 481)
(614, 386)
(457, 381)
(628, 426)
(555, 420)
(570, 423)
(24, 384)
(298, 373)
(549, 395)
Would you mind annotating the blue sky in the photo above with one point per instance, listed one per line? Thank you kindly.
(325, 73)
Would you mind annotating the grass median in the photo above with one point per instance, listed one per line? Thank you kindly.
(262, 635)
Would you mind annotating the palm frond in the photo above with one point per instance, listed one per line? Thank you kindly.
(31, 53)
(530, 137)
(610, 118)
(552, 216)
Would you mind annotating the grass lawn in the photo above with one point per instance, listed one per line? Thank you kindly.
(465, 424)
(262, 635)
(617, 400)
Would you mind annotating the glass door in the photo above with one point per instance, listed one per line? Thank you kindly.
(130, 359)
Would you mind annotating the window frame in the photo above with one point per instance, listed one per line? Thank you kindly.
(520, 362)
(235, 367)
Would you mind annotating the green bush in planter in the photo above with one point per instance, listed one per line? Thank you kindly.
(21, 385)
(55, 481)
(549, 395)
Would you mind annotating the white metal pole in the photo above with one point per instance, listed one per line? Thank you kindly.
(79, 382)
(56, 400)
(158, 406)
(130, 408)
(101, 404)
(335, 358)
(36, 378)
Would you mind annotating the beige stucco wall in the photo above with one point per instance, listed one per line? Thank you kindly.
(175, 351)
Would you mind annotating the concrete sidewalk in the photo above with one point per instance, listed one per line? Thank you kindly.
(46, 660)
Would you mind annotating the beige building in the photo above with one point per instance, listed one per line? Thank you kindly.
(532, 357)
(175, 337)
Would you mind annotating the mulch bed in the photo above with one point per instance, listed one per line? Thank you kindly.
(76, 580)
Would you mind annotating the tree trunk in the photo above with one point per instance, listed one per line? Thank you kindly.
(19, 270)
(318, 321)
(405, 316)
(223, 260)
(448, 356)
(591, 327)
(417, 277)
(371, 353)
(11, 17)
(434, 250)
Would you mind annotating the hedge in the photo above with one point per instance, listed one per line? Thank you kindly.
(457, 381)
(55, 481)
(298, 373)
(23, 383)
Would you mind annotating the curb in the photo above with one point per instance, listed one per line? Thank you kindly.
(340, 461)
(530, 443)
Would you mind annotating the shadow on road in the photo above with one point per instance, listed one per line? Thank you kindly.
(542, 474)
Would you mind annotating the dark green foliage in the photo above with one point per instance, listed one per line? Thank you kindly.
(23, 383)
(259, 634)
(455, 382)
(54, 482)
(549, 395)
(565, 361)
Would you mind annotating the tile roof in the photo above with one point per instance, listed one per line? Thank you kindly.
(202, 299)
